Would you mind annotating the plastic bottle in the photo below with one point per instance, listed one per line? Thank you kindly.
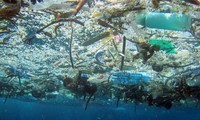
(167, 21)
(129, 78)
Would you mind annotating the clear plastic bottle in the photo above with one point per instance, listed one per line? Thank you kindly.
(167, 21)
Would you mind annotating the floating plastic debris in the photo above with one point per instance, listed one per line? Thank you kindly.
(194, 77)
(195, 71)
(193, 1)
(167, 21)
(165, 45)
(84, 75)
(3, 35)
(101, 76)
(129, 78)
(10, 11)
(99, 56)
(16, 72)
(96, 38)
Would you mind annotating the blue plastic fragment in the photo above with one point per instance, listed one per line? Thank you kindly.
(195, 71)
(84, 75)
(17, 72)
(108, 69)
(3, 35)
(98, 57)
(129, 78)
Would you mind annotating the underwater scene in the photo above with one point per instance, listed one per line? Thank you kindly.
(99, 59)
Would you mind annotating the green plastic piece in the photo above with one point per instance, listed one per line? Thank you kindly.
(167, 21)
(165, 45)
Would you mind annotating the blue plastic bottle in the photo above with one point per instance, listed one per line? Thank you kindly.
(129, 78)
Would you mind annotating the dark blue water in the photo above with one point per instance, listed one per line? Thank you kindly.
(18, 110)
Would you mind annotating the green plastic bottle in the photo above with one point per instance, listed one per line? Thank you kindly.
(167, 21)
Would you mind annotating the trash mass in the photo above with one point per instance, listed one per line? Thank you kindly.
(101, 51)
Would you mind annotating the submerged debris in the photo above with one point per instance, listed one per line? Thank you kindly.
(127, 51)
(29, 38)
(10, 11)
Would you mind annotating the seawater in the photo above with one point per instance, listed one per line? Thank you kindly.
(18, 110)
